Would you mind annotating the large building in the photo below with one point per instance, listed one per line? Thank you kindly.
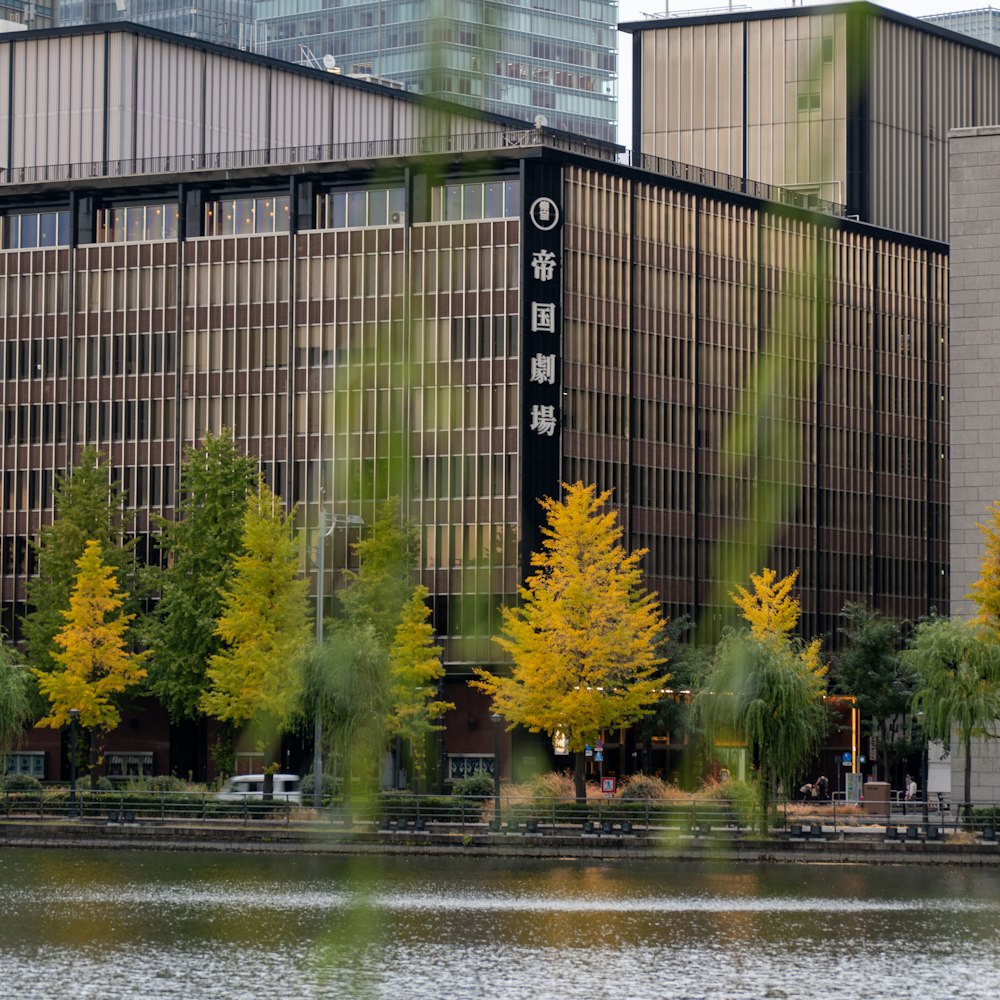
(381, 296)
(850, 102)
(982, 23)
(525, 60)
(225, 22)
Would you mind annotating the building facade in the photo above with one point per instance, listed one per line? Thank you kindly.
(850, 103)
(982, 24)
(557, 60)
(464, 329)
(224, 22)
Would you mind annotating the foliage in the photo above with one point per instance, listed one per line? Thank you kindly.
(415, 669)
(94, 664)
(201, 545)
(376, 594)
(870, 667)
(329, 789)
(957, 666)
(763, 694)
(986, 590)
(772, 614)
(20, 783)
(584, 638)
(478, 785)
(770, 610)
(88, 505)
(15, 698)
(264, 625)
(347, 681)
(644, 786)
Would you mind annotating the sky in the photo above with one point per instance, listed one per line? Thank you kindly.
(635, 10)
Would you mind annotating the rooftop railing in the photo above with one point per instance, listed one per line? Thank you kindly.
(442, 145)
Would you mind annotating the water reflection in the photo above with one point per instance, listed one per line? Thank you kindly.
(131, 925)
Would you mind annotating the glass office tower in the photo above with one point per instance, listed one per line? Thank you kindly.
(556, 58)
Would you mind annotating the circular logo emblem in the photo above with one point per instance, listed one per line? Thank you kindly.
(544, 213)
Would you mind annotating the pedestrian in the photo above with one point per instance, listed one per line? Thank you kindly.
(823, 788)
(807, 791)
(911, 788)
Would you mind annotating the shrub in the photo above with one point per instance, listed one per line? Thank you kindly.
(21, 783)
(475, 786)
(644, 786)
(326, 795)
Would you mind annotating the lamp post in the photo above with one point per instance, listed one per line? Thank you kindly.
(496, 767)
(336, 520)
(74, 716)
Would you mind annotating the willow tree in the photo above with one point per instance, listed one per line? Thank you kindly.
(583, 640)
(763, 694)
(957, 664)
(765, 687)
(15, 699)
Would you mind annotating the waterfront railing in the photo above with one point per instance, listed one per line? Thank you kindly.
(405, 813)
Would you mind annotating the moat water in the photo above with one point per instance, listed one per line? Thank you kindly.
(93, 925)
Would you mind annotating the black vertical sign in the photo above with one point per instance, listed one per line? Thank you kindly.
(541, 346)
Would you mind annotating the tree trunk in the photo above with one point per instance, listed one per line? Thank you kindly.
(93, 761)
(968, 780)
(580, 777)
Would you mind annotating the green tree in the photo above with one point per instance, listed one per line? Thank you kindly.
(201, 545)
(375, 594)
(88, 505)
(869, 667)
(584, 638)
(94, 665)
(957, 666)
(264, 625)
(415, 669)
(764, 694)
(16, 684)
(346, 680)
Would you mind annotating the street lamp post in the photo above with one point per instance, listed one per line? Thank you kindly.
(318, 720)
(74, 716)
(496, 767)
(325, 530)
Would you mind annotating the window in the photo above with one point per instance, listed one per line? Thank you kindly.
(476, 200)
(25, 230)
(361, 208)
(246, 216)
(137, 223)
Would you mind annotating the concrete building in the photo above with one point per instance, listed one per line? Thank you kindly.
(982, 23)
(384, 296)
(850, 102)
(558, 60)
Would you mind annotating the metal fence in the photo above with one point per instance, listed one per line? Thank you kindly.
(469, 142)
(403, 812)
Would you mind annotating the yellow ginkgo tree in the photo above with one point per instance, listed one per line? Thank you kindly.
(264, 626)
(986, 590)
(415, 669)
(93, 665)
(584, 638)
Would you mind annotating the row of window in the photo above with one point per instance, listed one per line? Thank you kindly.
(494, 199)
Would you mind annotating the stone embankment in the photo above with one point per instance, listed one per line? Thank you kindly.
(845, 847)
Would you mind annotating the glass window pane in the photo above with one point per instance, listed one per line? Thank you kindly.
(493, 208)
(357, 208)
(339, 216)
(512, 200)
(397, 200)
(29, 230)
(453, 206)
(378, 208)
(473, 201)
(282, 213)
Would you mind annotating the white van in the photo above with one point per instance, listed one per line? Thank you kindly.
(247, 787)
